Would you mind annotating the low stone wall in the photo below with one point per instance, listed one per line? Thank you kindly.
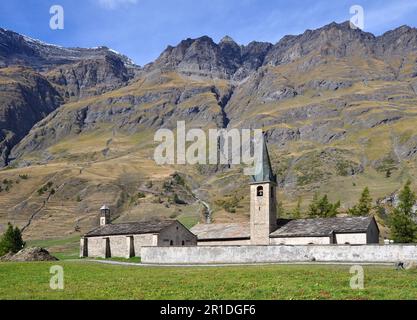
(277, 254)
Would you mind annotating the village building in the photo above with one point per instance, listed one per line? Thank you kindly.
(125, 240)
(265, 229)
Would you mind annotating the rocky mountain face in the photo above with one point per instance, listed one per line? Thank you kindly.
(26, 97)
(338, 106)
(203, 58)
(38, 78)
(16, 49)
(90, 77)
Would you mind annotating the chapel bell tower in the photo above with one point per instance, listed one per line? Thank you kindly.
(263, 200)
(104, 215)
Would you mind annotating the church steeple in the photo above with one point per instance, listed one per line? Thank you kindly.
(264, 172)
(263, 208)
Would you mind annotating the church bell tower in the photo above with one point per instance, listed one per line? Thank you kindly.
(104, 215)
(263, 200)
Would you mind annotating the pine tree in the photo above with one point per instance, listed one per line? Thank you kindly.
(11, 241)
(323, 208)
(407, 200)
(403, 227)
(364, 207)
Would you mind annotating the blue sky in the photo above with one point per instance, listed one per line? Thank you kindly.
(142, 29)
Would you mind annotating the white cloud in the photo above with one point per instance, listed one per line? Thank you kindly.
(113, 4)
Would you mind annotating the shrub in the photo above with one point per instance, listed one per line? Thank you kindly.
(229, 204)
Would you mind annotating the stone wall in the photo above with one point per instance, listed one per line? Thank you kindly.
(277, 254)
(96, 247)
(263, 213)
(130, 245)
(149, 240)
(176, 235)
(120, 246)
(224, 243)
(300, 240)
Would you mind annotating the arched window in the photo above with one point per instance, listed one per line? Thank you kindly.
(183, 243)
(171, 243)
(260, 191)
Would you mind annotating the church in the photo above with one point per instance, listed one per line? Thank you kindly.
(266, 229)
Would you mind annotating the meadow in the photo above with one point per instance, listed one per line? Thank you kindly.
(96, 281)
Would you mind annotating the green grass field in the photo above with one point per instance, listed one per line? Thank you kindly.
(88, 280)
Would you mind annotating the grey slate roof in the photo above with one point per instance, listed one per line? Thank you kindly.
(220, 231)
(322, 226)
(130, 228)
(264, 168)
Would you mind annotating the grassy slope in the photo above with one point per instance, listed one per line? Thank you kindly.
(94, 281)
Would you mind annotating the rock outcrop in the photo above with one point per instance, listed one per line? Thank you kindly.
(29, 255)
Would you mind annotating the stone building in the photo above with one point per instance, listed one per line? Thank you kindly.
(265, 229)
(126, 239)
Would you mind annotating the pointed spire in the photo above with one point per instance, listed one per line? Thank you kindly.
(264, 167)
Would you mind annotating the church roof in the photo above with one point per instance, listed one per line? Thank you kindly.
(321, 227)
(130, 228)
(264, 167)
(222, 231)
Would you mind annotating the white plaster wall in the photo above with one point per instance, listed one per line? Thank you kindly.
(277, 254)
(300, 241)
(225, 243)
(351, 238)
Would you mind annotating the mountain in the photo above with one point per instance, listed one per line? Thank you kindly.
(202, 57)
(39, 77)
(16, 49)
(338, 106)
(26, 97)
